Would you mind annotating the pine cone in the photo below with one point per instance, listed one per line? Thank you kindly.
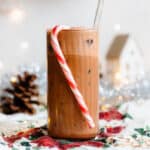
(23, 94)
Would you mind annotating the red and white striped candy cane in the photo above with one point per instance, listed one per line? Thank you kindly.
(68, 74)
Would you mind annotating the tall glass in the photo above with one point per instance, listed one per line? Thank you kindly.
(80, 47)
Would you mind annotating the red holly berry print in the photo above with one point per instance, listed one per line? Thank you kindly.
(113, 114)
(78, 144)
(114, 130)
(46, 141)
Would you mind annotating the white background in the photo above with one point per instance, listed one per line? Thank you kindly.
(24, 41)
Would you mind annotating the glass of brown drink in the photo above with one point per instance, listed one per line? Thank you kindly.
(80, 48)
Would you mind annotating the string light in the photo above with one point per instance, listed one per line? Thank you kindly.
(125, 81)
(118, 76)
(13, 79)
(24, 45)
(117, 27)
(16, 15)
(1, 65)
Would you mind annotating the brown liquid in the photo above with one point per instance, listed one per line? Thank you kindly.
(65, 119)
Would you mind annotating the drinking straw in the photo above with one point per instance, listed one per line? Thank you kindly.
(98, 14)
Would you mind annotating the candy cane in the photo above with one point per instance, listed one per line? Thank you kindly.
(68, 74)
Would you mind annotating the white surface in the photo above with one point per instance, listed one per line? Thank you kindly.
(139, 110)
(22, 121)
(23, 40)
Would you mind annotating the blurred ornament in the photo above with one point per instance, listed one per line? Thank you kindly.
(136, 90)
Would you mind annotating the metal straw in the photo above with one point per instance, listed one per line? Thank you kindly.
(98, 14)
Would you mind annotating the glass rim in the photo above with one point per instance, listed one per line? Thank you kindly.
(77, 29)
